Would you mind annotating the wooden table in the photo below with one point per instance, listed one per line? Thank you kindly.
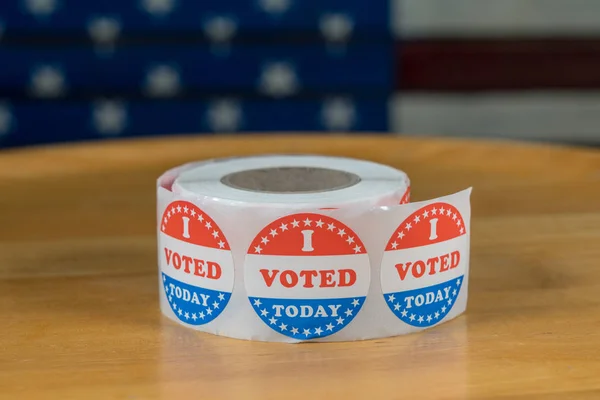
(78, 291)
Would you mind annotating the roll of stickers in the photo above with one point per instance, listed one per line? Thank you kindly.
(297, 248)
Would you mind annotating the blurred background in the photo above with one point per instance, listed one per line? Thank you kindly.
(73, 70)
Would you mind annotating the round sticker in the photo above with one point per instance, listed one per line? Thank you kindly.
(307, 275)
(423, 266)
(405, 197)
(195, 262)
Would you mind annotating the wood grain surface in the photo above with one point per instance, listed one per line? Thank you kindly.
(78, 290)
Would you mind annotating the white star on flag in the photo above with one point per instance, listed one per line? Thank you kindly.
(278, 80)
(224, 115)
(318, 330)
(329, 327)
(220, 29)
(221, 296)
(104, 30)
(47, 81)
(275, 6)
(338, 114)
(306, 332)
(257, 302)
(294, 331)
(109, 117)
(273, 320)
(162, 81)
(221, 244)
(336, 27)
(158, 7)
(355, 302)
(41, 7)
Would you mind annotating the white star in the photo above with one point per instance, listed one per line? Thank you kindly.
(273, 232)
(319, 224)
(257, 249)
(426, 214)
(208, 225)
(454, 217)
(225, 115)
(404, 313)
(396, 306)
(273, 321)
(454, 292)
(200, 217)
(444, 309)
(357, 249)
(215, 305)
(47, 81)
(264, 312)
(215, 234)
(318, 330)
(417, 219)
(283, 327)
(41, 7)
(391, 298)
(295, 224)
(412, 317)
(110, 117)
(278, 80)
(294, 331)
(434, 211)
(6, 119)
(448, 212)
(174, 306)
(442, 210)
(336, 27)
(187, 315)
(340, 320)
(186, 210)
(193, 213)
(306, 332)
(420, 320)
(408, 226)
(329, 327)
(429, 318)
(436, 315)
(179, 209)
(179, 312)
(449, 301)
(221, 296)
(461, 230)
(220, 29)
(350, 240)
(330, 227)
(458, 282)
(162, 81)
(348, 312)
(307, 222)
(275, 6)
(201, 314)
(338, 114)
(283, 227)
(355, 302)
(257, 302)
(104, 30)
(158, 7)
(341, 232)
(265, 240)
(208, 311)
(194, 317)
(221, 244)
(400, 235)
(394, 245)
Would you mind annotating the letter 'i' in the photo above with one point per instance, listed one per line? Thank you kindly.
(186, 227)
(307, 240)
(433, 231)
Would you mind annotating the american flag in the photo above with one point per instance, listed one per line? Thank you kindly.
(76, 70)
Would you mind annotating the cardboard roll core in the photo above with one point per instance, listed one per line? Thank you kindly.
(290, 180)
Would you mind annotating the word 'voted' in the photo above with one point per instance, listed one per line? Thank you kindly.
(310, 278)
(192, 265)
(432, 265)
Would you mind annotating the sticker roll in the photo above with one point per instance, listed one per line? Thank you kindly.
(295, 248)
